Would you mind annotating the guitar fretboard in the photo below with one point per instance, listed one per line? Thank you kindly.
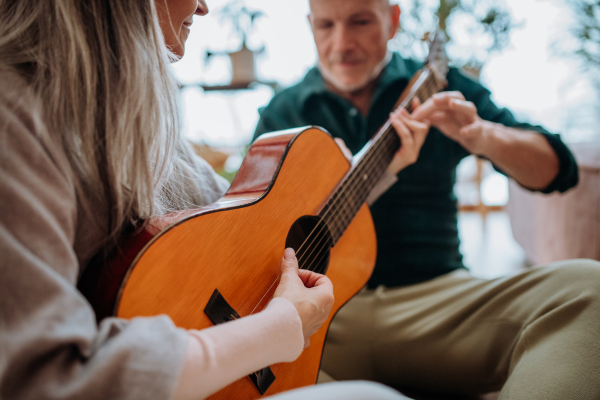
(370, 163)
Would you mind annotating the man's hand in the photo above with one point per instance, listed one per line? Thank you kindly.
(345, 150)
(412, 133)
(457, 118)
(526, 156)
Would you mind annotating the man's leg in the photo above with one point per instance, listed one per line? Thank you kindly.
(536, 331)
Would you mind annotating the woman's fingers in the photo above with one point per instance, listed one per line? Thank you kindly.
(312, 279)
(309, 292)
(289, 264)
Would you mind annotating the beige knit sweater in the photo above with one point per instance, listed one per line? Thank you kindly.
(50, 344)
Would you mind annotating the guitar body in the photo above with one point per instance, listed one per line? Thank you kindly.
(236, 246)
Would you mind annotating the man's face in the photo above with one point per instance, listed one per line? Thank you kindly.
(351, 38)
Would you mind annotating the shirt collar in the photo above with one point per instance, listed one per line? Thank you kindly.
(313, 83)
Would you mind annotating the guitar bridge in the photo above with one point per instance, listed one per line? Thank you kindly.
(219, 311)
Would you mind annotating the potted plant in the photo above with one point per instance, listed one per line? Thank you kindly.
(241, 20)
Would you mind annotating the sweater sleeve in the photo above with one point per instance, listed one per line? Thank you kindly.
(219, 355)
(50, 343)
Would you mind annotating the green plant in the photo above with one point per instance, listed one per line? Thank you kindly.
(240, 18)
(584, 40)
(475, 28)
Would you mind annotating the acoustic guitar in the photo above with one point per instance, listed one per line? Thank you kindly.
(216, 263)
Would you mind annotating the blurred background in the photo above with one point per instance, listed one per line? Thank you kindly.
(539, 58)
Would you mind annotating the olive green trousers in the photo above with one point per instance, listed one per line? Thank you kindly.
(535, 335)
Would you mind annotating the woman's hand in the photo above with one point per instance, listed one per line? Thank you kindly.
(412, 133)
(309, 292)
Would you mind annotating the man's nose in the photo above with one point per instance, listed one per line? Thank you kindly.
(202, 8)
(342, 38)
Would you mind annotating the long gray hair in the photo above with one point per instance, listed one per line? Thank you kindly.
(101, 72)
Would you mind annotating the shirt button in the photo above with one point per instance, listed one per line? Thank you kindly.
(353, 112)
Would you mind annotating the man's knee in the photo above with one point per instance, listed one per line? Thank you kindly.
(580, 277)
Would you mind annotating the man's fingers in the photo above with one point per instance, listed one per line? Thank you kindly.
(439, 116)
(344, 148)
(424, 110)
(454, 105)
(416, 103)
(464, 107)
(406, 137)
(419, 130)
(416, 126)
(445, 96)
(471, 130)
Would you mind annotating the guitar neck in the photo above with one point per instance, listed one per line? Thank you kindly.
(371, 162)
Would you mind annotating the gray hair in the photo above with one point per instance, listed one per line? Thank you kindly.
(384, 3)
(101, 72)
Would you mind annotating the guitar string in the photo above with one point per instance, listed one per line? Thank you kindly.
(343, 219)
(384, 137)
(369, 159)
(299, 259)
(347, 215)
(345, 209)
(300, 255)
(352, 202)
(338, 195)
(390, 135)
(426, 84)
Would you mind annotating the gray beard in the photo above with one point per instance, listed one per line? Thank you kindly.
(332, 79)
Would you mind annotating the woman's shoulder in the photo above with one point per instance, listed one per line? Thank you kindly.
(24, 137)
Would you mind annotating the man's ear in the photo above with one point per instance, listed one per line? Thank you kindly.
(394, 19)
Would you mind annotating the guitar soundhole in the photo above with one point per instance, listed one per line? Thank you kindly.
(310, 238)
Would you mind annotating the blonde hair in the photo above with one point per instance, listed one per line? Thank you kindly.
(100, 70)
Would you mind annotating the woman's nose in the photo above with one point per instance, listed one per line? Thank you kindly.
(202, 8)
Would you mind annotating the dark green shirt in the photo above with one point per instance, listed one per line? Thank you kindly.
(416, 219)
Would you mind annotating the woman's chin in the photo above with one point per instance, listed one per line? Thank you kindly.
(176, 52)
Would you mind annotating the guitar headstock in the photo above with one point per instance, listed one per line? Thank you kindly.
(437, 60)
